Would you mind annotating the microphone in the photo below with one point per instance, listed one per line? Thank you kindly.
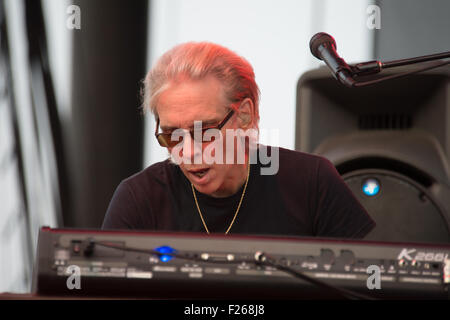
(323, 47)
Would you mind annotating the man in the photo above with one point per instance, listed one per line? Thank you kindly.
(217, 182)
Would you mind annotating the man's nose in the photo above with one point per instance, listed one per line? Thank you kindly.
(192, 150)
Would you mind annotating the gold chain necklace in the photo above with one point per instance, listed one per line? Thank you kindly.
(237, 210)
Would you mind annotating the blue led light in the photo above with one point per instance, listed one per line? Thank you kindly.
(165, 258)
(371, 187)
(165, 249)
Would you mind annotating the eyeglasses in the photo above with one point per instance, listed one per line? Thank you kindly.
(165, 140)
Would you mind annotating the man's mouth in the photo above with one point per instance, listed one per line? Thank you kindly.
(199, 172)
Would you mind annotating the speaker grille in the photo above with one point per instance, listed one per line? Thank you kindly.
(403, 210)
(387, 121)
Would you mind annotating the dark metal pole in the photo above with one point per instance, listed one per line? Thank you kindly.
(105, 134)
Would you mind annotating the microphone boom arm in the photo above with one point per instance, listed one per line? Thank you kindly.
(430, 66)
(323, 47)
(374, 67)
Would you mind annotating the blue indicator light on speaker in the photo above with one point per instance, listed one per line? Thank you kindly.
(371, 187)
(165, 249)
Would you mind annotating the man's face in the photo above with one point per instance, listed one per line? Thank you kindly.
(199, 100)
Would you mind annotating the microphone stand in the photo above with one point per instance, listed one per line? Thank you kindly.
(361, 70)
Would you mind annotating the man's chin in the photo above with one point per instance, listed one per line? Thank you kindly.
(207, 184)
(209, 189)
(205, 188)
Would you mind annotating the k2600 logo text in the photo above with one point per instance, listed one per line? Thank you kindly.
(413, 254)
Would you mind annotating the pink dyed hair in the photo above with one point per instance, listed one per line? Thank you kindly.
(197, 60)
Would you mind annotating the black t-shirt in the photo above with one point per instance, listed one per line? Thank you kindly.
(306, 197)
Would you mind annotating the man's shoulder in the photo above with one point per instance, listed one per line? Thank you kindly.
(157, 173)
(300, 168)
(294, 158)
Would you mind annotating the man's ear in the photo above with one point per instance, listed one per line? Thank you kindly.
(246, 113)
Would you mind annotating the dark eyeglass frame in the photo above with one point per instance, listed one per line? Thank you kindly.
(164, 139)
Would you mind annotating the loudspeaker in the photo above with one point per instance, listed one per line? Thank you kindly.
(391, 144)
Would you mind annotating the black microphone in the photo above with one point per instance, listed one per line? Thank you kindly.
(323, 47)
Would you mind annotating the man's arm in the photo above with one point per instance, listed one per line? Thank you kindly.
(122, 211)
(339, 213)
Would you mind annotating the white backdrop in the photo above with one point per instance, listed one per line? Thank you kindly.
(272, 35)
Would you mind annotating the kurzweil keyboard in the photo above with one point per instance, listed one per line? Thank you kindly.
(184, 265)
